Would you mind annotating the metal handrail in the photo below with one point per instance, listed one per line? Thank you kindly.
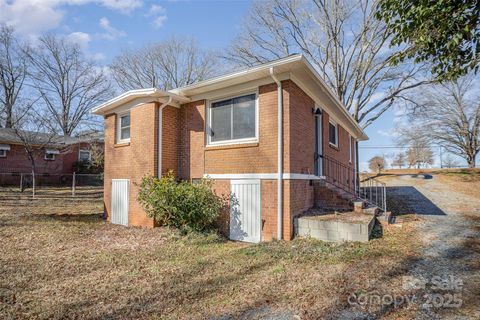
(374, 192)
(337, 173)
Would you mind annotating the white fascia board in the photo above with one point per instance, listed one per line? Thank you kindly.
(238, 75)
(334, 97)
(151, 93)
(262, 176)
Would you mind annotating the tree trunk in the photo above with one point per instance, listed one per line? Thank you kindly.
(471, 161)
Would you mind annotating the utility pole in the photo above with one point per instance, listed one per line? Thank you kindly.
(441, 161)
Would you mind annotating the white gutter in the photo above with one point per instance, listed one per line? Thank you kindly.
(279, 155)
(160, 125)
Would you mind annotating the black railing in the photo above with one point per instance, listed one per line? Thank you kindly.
(374, 192)
(337, 173)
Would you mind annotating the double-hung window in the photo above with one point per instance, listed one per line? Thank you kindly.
(233, 120)
(333, 133)
(123, 134)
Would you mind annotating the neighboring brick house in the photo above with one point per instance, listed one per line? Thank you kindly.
(54, 155)
(227, 129)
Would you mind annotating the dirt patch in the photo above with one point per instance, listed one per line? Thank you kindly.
(60, 260)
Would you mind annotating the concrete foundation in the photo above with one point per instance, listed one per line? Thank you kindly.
(349, 226)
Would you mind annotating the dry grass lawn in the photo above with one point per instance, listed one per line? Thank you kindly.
(60, 260)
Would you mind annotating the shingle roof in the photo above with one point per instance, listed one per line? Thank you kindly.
(8, 135)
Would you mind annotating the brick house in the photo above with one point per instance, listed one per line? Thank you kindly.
(228, 128)
(54, 155)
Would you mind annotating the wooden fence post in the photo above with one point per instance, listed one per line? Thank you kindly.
(73, 185)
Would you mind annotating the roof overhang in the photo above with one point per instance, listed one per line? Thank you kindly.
(142, 95)
(295, 67)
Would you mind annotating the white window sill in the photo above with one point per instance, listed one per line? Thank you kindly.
(232, 142)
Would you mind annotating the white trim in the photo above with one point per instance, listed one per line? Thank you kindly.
(119, 127)
(330, 121)
(208, 127)
(150, 93)
(3, 153)
(262, 176)
(349, 148)
(5, 147)
(263, 67)
(49, 154)
(293, 65)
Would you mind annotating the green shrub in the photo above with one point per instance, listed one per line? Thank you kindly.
(184, 205)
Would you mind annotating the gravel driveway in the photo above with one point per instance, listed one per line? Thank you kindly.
(446, 280)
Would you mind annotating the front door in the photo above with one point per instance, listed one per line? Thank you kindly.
(318, 145)
(245, 212)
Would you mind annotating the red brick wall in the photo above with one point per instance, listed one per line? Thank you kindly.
(133, 160)
(185, 151)
(17, 161)
(170, 139)
(192, 140)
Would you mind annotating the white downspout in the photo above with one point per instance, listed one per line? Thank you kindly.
(280, 155)
(160, 125)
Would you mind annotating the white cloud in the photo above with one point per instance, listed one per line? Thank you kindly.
(30, 17)
(122, 5)
(80, 38)
(158, 14)
(390, 133)
(110, 33)
(34, 17)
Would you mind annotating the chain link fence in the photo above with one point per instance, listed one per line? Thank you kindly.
(51, 186)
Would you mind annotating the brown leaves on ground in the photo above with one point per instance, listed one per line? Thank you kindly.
(60, 260)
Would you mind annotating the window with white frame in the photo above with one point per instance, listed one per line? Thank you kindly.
(3, 150)
(84, 156)
(233, 120)
(123, 134)
(50, 154)
(333, 133)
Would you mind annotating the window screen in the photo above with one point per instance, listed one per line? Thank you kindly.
(233, 119)
(125, 127)
(332, 133)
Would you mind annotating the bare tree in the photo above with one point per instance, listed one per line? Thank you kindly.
(13, 72)
(35, 137)
(68, 83)
(376, 164)
(399, 160)
(448, 114)
(165, 65)
(450, 162)
(419, 155)
(343, 39)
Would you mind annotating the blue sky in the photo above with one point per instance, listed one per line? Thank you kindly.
(104, 27)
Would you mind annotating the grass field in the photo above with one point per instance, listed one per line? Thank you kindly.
(61, 260)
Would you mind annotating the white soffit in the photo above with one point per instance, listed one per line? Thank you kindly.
(144, 95)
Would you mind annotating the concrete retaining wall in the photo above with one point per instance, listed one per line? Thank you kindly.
(333, 230)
